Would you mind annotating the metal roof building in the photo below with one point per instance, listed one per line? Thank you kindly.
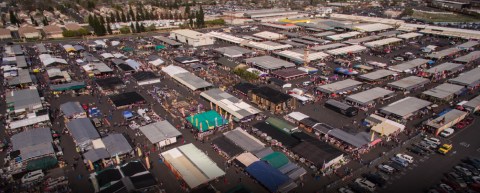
(382, 42)
(369, 96)
(233, 51)
(339, 86)
(229, 103)
(377, 75)
(445, 67)
(299, 57)
(470, 78)
(442, 53)
(362, 39)
(23, 100)
(406, 107)
(347, 50)
(162, 133)
(409, 83)
(408, 65)
(269, 35)
(269, 63)
(373, 27)
(327, 46)
(83, 132)
(445, 91)
(472, 56)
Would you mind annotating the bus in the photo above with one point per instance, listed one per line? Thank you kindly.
(341, 108)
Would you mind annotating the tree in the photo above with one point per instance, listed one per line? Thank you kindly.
(112, 17)
(132, 28)
(117, 16)
(13, 18)
(32, 20)
(201, 18)
(137, 27)
(187, 9)
(130, 12)
(124, 18)
(190, 20)
(90, 5)
(109, 29)
(45, 21)
(142, 28)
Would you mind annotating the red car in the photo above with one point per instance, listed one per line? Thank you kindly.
(85, 107)
(464, 123)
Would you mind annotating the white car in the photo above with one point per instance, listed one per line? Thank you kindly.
(447, 132)
(345, 190)
(399, 58)
(432, 140)
(386, 168)
(446, 188)
(463, 171)
(32, 176)
(405, 157)
(364, 183)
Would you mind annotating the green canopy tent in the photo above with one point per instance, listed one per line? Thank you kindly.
(207, 120)
(42, 163)
(159, 47)
(127, 49)
(276, 159)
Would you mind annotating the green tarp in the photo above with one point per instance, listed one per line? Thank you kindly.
(159, 47)
(276, 159)
(280, 124)
(42, 163)
(127, 49)
(207, 120)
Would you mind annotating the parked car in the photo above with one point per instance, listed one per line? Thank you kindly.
(445, 148)
(400, 161)
(416, 150)
(376, 179)
(405, 157)
(462, 171)
(32, 176)
(446, 188)
(447, 132)
(457, 179)
(364, 183)
(386, 168)
(472, 169)
(345, 190)
(432, 140)
(424, 146)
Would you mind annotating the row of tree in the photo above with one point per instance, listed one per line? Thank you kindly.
(102, 26)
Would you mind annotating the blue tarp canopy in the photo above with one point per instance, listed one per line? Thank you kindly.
(94, 112)
(127, 114)
(268, 176)
(431, 62)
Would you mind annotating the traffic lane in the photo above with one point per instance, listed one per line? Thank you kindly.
(429, 173)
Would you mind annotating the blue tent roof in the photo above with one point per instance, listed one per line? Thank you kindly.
(127, 114)
(268, 176)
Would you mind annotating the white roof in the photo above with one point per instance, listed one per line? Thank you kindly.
(347, 49)
(107, 55)
(379, 74)
(405, 107)
(269, 62)
(226, 37)
(300, 56)
(339, 86)
(373, 27)
(229, 103)
(343, 35)
(444, 91)
(194, 166)
(188, 33)
(156, 62)
(382, 42)
(369, 96)
(409, 35)
(469, 78)
(173, 70)
(269, 35)
(366, 19)
(298, 116)
(267, 45)
(408, 65)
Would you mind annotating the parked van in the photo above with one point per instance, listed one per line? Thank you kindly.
(447, 132)
(341, 108)
(405, 157)
(364, 183)
(432, 140)
(400, 162)
(32, 176)
(97, 122)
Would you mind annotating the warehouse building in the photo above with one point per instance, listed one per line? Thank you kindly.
(191, 37)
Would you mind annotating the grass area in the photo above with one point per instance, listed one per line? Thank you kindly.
(439, 17)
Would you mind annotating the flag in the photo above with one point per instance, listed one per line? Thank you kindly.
(118, 159)
(373, 136)
(139, 152)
